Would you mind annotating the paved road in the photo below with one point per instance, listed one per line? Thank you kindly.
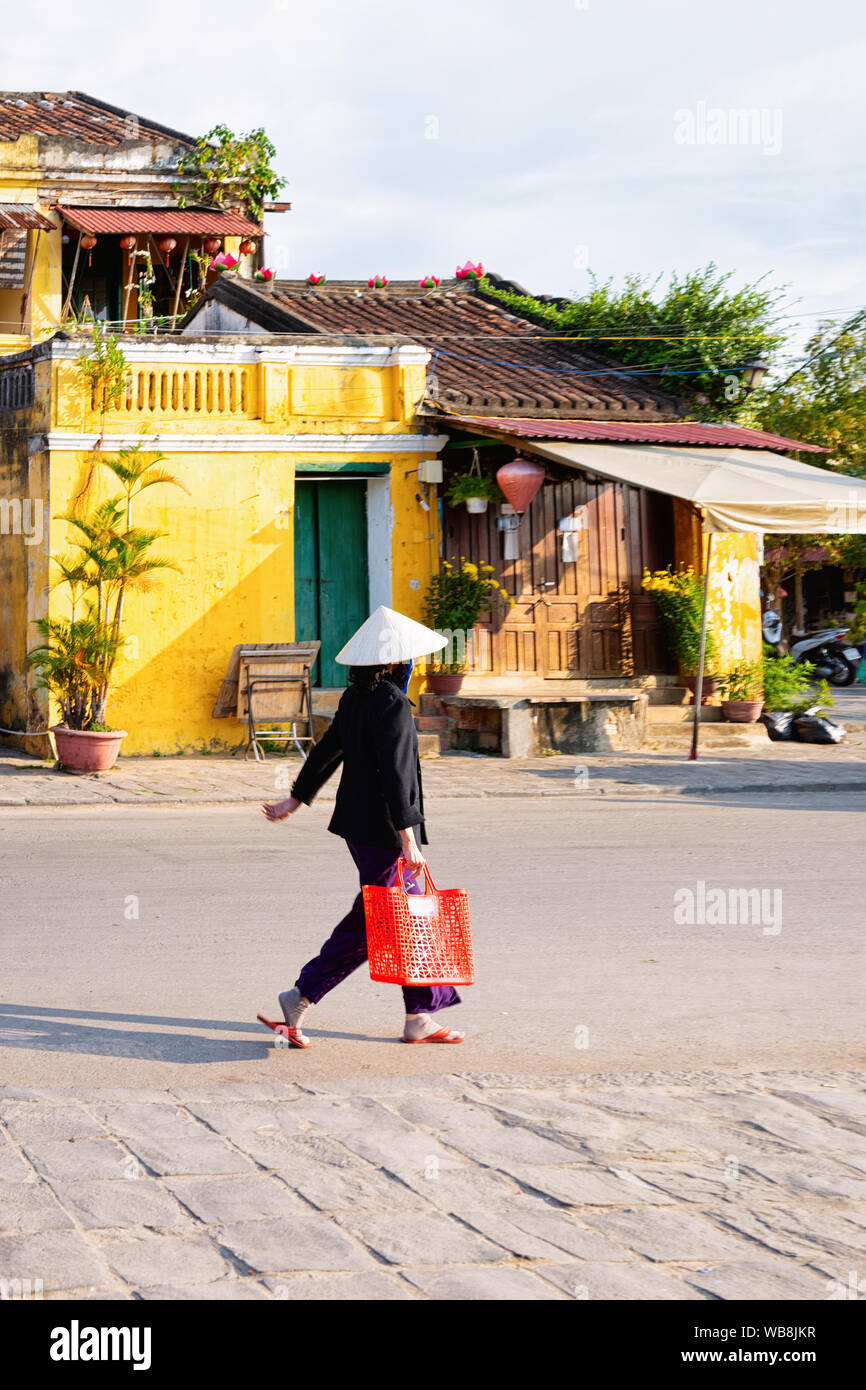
(458, 1188)
(139, 944)
(646, 1108)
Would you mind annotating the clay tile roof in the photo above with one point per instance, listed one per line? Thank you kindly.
(486, 361)
(76, 116)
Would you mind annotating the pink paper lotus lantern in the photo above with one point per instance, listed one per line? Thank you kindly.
(520, 480)
(314, 278)
(224, 261)
(429, 282)
(265, 274)
(469, 271)
(377, 282)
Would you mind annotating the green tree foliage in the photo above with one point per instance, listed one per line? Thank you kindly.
(224, 163)
(695, 334)
(824, 401)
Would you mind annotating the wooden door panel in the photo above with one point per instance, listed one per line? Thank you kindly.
(595, 620)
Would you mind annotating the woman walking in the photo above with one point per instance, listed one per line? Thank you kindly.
(379, 811)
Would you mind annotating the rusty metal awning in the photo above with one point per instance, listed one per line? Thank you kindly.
(628, 432)
(15, 216)
(159, 221)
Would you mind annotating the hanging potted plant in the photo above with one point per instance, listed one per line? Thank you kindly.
(742, 693)
(474, 488)
(455, 599)
(679, 598)
(76, 659)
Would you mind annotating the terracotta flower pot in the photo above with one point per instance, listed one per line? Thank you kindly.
(444, 682)
(81, 751)
(709, 687)
(742, 711)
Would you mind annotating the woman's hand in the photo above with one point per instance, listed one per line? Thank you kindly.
(411, 853)
(280, 810)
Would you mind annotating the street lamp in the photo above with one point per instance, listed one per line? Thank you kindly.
(755, 371)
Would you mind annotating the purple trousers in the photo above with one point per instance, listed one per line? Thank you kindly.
(346, 947)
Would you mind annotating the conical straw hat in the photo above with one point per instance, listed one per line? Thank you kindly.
(388, 636)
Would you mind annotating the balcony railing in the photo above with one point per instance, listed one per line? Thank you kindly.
(187, 393)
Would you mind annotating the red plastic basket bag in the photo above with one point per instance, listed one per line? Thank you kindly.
(417, 937)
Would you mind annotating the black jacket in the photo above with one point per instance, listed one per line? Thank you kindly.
(373, 735)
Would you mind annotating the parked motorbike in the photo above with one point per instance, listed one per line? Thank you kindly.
(771, 627)
(834, 657)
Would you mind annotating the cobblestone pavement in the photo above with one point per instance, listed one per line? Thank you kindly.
(29, 781)
(651, 1186)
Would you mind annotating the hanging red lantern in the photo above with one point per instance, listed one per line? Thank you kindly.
(128, 243)
(167, 245)
(212, 244)
(88, 241)
(247, 247)
(520, 480)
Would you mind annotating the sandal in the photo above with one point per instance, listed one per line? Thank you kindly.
(294, 1036)
(442, 1035)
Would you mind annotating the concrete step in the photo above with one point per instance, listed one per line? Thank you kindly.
(667, 695)
(666, 737)
(428, 746)
(683, 714)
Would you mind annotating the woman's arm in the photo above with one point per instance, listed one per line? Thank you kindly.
(322, 761)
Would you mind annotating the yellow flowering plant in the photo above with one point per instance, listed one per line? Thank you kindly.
(679, 598)
(454, 601)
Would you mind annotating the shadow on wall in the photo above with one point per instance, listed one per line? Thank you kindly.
(166, 704)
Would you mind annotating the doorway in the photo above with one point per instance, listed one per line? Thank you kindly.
(332, 583)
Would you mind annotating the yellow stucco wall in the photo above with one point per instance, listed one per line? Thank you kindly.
(19, 182)
(230, 538)
(734, 610)
(231, 534)
(24, 512)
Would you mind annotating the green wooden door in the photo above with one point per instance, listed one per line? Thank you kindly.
(331, 576)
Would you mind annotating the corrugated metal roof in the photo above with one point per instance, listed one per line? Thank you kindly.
(119, 221)
(622, 432)
(77, 116)
(13, 259)
(23, 215)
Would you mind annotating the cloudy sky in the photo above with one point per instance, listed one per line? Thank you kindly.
(545, 139)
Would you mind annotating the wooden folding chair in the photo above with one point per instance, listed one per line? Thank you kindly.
(274, 685)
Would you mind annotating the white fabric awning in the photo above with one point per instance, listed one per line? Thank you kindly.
(738, 489)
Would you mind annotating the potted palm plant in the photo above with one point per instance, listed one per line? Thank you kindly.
(76, 658)
(455, 599)
(742, 693)
(679, 598)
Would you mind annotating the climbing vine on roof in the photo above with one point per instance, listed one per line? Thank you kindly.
(692, 336)
(222, 163)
